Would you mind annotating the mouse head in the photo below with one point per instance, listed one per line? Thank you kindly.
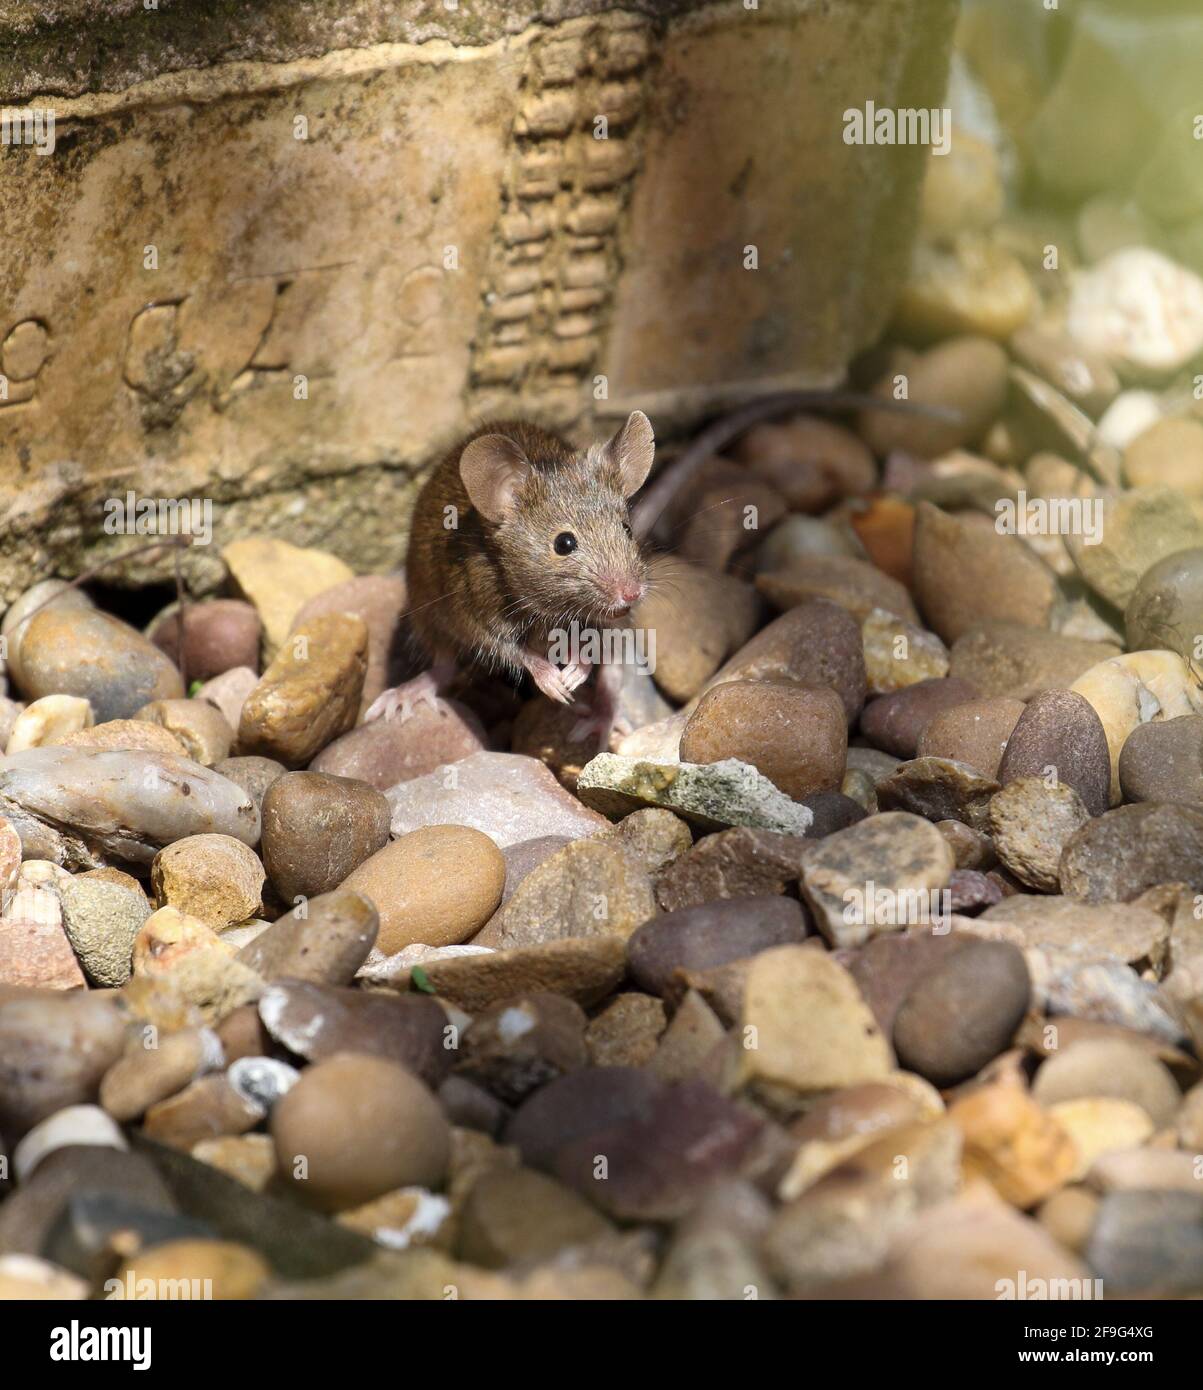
(560, 524)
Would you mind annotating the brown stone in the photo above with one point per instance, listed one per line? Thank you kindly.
(437, 886)
(795, 735)
(309, 694)
(317, 828)
(975, 733)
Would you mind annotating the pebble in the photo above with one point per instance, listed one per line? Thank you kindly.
(1126, 691)
(832, 811)
(102, 921)
(967, 572)
(803, 535)
(970, 892)
(939, 789)
(585, 889)
(127, 804)
(213, 877)
(975, 1246)
(963, 1013)
(806, 1027)
(379, 601)
(279, 579)
(16, 618)
(512, 1215)
(219, 634)
(816, 643)
(900, 855)
(1059, 734)
(885, 527)
(126, 735)
(627, 1032)
(73, 1126)
(310, 693)
(1115, 857)
(655, 839)
(70, 650)
(1148, 1243)
(1166, 607)
(324, 940)
(356, 1127)
(795, 735)
(507, 796)
(848, 1121)
(317, 1021)
(722, 501)
(723, 612)
(229, 691)
(199, 966)
(1031, 822)
(1085, 377)
(894, 723)
(224, 1269)
(665, 1145)
(518, 1045)
(1163, 761)
(972, 286)
(253, 775)
(205, 1109)
(388, 751)
(56, 1049)
(34, 948)
(1133, 1169)
(1100, 1125)
(584, 968)
(48, 720)
(1014, 1144)
(1069, 1216)
(438, 885)
(710, 796)
(1111, 992)
(971, 848)
(975, 733)
(146, 1075)
(248, 1158)
(26, 1277)
(812, 462)
(853, 583)
(1017, 661)
(739, 863)
(1167, 454)
(1110, 1068)
(1138, 528)
(318, 828)
(710, 934)
(201, 727)
(899, 654)
(844, 1225)
(1066, 932)
(967, 375)
(1139, 310)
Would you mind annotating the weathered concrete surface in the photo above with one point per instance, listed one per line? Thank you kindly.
(282, 254)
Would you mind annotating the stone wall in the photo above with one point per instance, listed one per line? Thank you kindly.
(282, 253)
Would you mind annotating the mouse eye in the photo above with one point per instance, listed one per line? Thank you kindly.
(564, 543)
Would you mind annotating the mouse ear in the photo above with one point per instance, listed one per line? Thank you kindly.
(631, 451)
(493, 468)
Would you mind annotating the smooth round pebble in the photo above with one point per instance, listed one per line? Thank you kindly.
(317, 828)
(355, 1127)
(436, 886)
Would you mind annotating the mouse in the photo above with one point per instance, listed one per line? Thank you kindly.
(517, 540)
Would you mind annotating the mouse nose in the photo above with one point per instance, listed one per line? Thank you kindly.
(630, 590)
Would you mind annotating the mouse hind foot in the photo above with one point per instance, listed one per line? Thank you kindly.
(403, 701)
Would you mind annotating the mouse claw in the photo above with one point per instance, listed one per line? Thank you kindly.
(404, 699)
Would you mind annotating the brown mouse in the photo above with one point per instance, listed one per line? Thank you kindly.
(517, 536)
